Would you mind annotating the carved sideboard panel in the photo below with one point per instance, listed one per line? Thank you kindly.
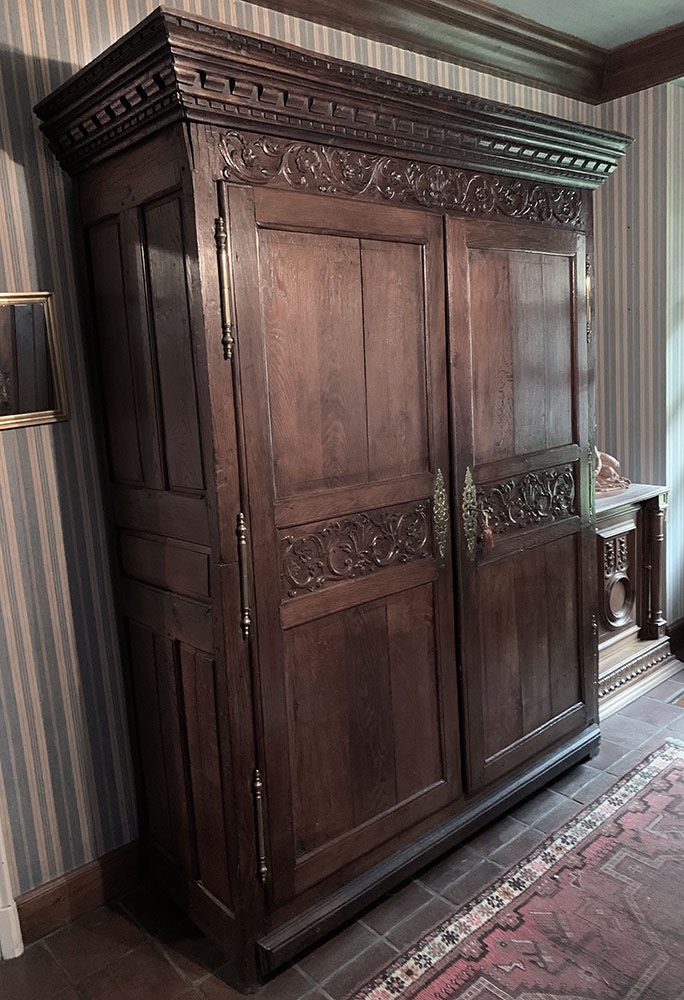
(630, 529)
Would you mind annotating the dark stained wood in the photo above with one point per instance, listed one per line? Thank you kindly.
(109, 301)
(331, 378)
(382, 664)
(326, 504)
(91, 116)
(516, 307)
(311, 284)
(162, 562)
(169, 615)
(162, 513)
(349, 593)
(66, 898)
(165, 252)
(200, 714)
(393, 314)
(644, 63)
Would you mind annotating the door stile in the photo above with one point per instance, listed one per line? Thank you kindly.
(265, 646)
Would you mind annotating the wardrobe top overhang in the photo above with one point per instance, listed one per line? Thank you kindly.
(179, 67)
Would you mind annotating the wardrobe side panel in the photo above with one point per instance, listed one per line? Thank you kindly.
(160, 478)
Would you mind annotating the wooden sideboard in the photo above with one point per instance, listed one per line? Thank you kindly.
(634, 649)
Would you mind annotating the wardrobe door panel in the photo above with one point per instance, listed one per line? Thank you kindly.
(343, 380)
(520, 389)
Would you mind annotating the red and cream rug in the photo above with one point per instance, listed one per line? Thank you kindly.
(595, 913)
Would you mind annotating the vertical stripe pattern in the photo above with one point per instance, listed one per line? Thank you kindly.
(640, 307)
(66, 787)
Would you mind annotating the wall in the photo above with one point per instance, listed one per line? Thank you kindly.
(640, 307)
(66, 789)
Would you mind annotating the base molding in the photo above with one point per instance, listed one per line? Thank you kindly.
(624, 696)
(53, 904)
(676, 633)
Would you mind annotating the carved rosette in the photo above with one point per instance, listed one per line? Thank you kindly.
(353, 547)
(532, 499)
(327, 170)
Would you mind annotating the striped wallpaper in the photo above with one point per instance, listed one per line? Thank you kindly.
(66, 789)
(640, 307)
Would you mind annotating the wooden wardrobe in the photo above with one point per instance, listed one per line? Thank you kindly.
(345, 348)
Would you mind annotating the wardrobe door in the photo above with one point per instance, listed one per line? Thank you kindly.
(342, 367)
(521, 426)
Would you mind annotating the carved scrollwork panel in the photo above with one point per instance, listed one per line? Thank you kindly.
(615, 556)
(535, 498)
(259, 159)
(354, 546)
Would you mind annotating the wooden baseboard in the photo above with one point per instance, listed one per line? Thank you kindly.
(50, 906)
(676, 632)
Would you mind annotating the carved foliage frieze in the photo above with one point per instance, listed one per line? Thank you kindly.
(303, 166)
(533, 499)
(354, 546)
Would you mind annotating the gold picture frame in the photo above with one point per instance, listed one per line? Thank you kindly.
(32, 381)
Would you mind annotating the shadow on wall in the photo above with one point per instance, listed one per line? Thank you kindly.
(67, 656)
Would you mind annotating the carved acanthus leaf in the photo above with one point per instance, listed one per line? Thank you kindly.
(535, 498)
(328, 170)
(354, 546)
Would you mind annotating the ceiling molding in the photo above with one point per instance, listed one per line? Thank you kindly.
(646, 62)
(484, 37)
(176, 67)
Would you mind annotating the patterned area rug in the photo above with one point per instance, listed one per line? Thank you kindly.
(595, 913)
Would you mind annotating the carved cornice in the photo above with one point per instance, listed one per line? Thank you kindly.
(177, 67)
(532, 499)
(324, 170)
(353, 547)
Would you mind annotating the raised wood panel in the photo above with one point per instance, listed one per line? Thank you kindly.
(532, 650)
(200, 711)
(393, 320)
(366, 733)
(153, 667)
(419, 762)
(492, 356)
(109, 299)
(564, 562)
(168, 300)
(521, 318)
(313, 324)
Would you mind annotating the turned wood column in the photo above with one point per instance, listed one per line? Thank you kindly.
(653, 624)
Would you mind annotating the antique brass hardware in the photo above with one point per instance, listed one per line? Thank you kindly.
(589, 281)
(245, 611)
(258, 789)
(221, 237)
(469, 513)
(440, 515)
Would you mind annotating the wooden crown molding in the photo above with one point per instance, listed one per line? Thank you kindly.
(177, 67)
(645, 63)
(484, 37)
